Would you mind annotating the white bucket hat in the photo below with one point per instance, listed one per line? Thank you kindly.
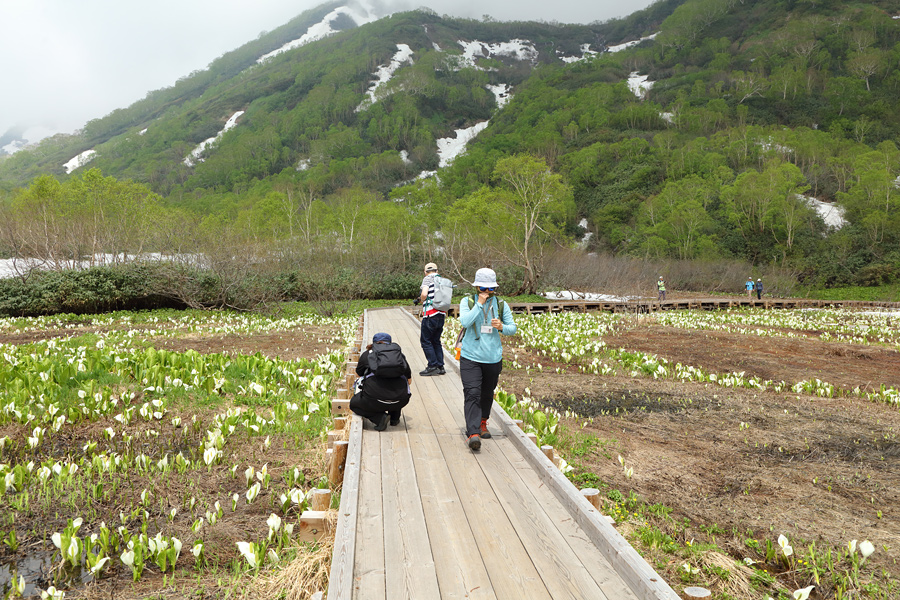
(485, 278)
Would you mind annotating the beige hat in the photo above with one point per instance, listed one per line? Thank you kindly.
(431, 267)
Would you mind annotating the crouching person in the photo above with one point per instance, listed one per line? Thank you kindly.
(385, 384)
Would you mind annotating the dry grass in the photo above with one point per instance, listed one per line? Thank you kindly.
(302, 577)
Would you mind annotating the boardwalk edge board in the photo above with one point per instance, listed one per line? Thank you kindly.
(340, 578)
(643, 580)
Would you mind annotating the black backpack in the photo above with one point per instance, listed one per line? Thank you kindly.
(387, 360)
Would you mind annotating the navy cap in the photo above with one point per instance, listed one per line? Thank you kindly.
(381, 337)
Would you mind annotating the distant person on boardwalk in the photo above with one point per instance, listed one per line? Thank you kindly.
(661, 288)
(432, 325)
(483, 317)
(759, 289)
(750, 287)
(385, 384)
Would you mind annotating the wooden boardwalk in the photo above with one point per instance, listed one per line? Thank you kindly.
(422, 516)
(646, 305)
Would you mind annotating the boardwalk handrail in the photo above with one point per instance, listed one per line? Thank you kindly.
(643, 580)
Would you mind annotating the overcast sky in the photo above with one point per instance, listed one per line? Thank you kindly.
(64, 62)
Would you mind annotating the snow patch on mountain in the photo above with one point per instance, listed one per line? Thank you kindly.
(518, 49)
(361, 14)
(586, 53)
(832, 214)
(501, 93)
(451, 147)
(384, 73)
(639, 84)
(79, 161)
(194, 157)
(626, 45)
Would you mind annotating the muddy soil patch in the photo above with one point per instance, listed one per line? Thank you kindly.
(738, 462)
(779, 359)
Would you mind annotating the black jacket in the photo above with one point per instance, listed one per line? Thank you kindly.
(389, 389)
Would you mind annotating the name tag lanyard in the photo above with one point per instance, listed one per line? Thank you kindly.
(485, 312)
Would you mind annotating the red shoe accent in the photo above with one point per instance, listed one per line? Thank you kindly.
(484, 430)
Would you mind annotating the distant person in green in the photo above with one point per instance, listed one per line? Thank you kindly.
(750, 287)
(661, 288)
(759, 289)
(483, 317)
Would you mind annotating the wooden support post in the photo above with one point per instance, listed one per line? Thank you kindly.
(593, 496)
(340, 422)
(696, 593)
(340, 407)
(548, 452)
(342, 393)
(519, 423)
(336, 469)
(320, 499)
(333, 436)
(329, 455)
(311, 526)
(532, 437)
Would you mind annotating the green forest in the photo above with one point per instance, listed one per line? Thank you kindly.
(755, 108)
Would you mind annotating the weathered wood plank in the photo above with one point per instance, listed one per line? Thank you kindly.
(409, 564)
(370, 568)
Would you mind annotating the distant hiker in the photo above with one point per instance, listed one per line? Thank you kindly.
(661, 288)
(759, 289)
(750, 287)
(385, 384)
(432, 324)
(483, 318)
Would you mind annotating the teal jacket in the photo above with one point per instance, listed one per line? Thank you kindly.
(483, 347)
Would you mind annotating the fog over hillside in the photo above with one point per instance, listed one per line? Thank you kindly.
(66, 63)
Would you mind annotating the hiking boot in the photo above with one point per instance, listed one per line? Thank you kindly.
(395, 420)
(475, 442)
(382, 422)
(429, 372)
(484, 430)
(441, 371)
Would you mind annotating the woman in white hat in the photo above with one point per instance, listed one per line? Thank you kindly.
(484, 317)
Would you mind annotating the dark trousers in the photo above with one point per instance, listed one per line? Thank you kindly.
(759, 294)
(479, 381)
(432, 328)
(373, 409)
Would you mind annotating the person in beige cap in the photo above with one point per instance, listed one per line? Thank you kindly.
(432, 325)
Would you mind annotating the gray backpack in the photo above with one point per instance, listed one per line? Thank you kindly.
(443, 293)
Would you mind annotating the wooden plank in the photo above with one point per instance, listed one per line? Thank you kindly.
(460, 570)
(409, 564)
(631, 566)
(559, 567)
(369, 570)
(597, 565)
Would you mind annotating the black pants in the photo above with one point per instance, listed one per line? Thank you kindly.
(372, 409)
(479, 381)
(430, 338)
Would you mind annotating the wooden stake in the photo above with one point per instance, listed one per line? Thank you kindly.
(311, 526)
(340, 422)
(336, 469)
(532, 437)
(548, 452)
(320, 499)
(696, 593)
(340, 407)
(520, 424)
(593, 496)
